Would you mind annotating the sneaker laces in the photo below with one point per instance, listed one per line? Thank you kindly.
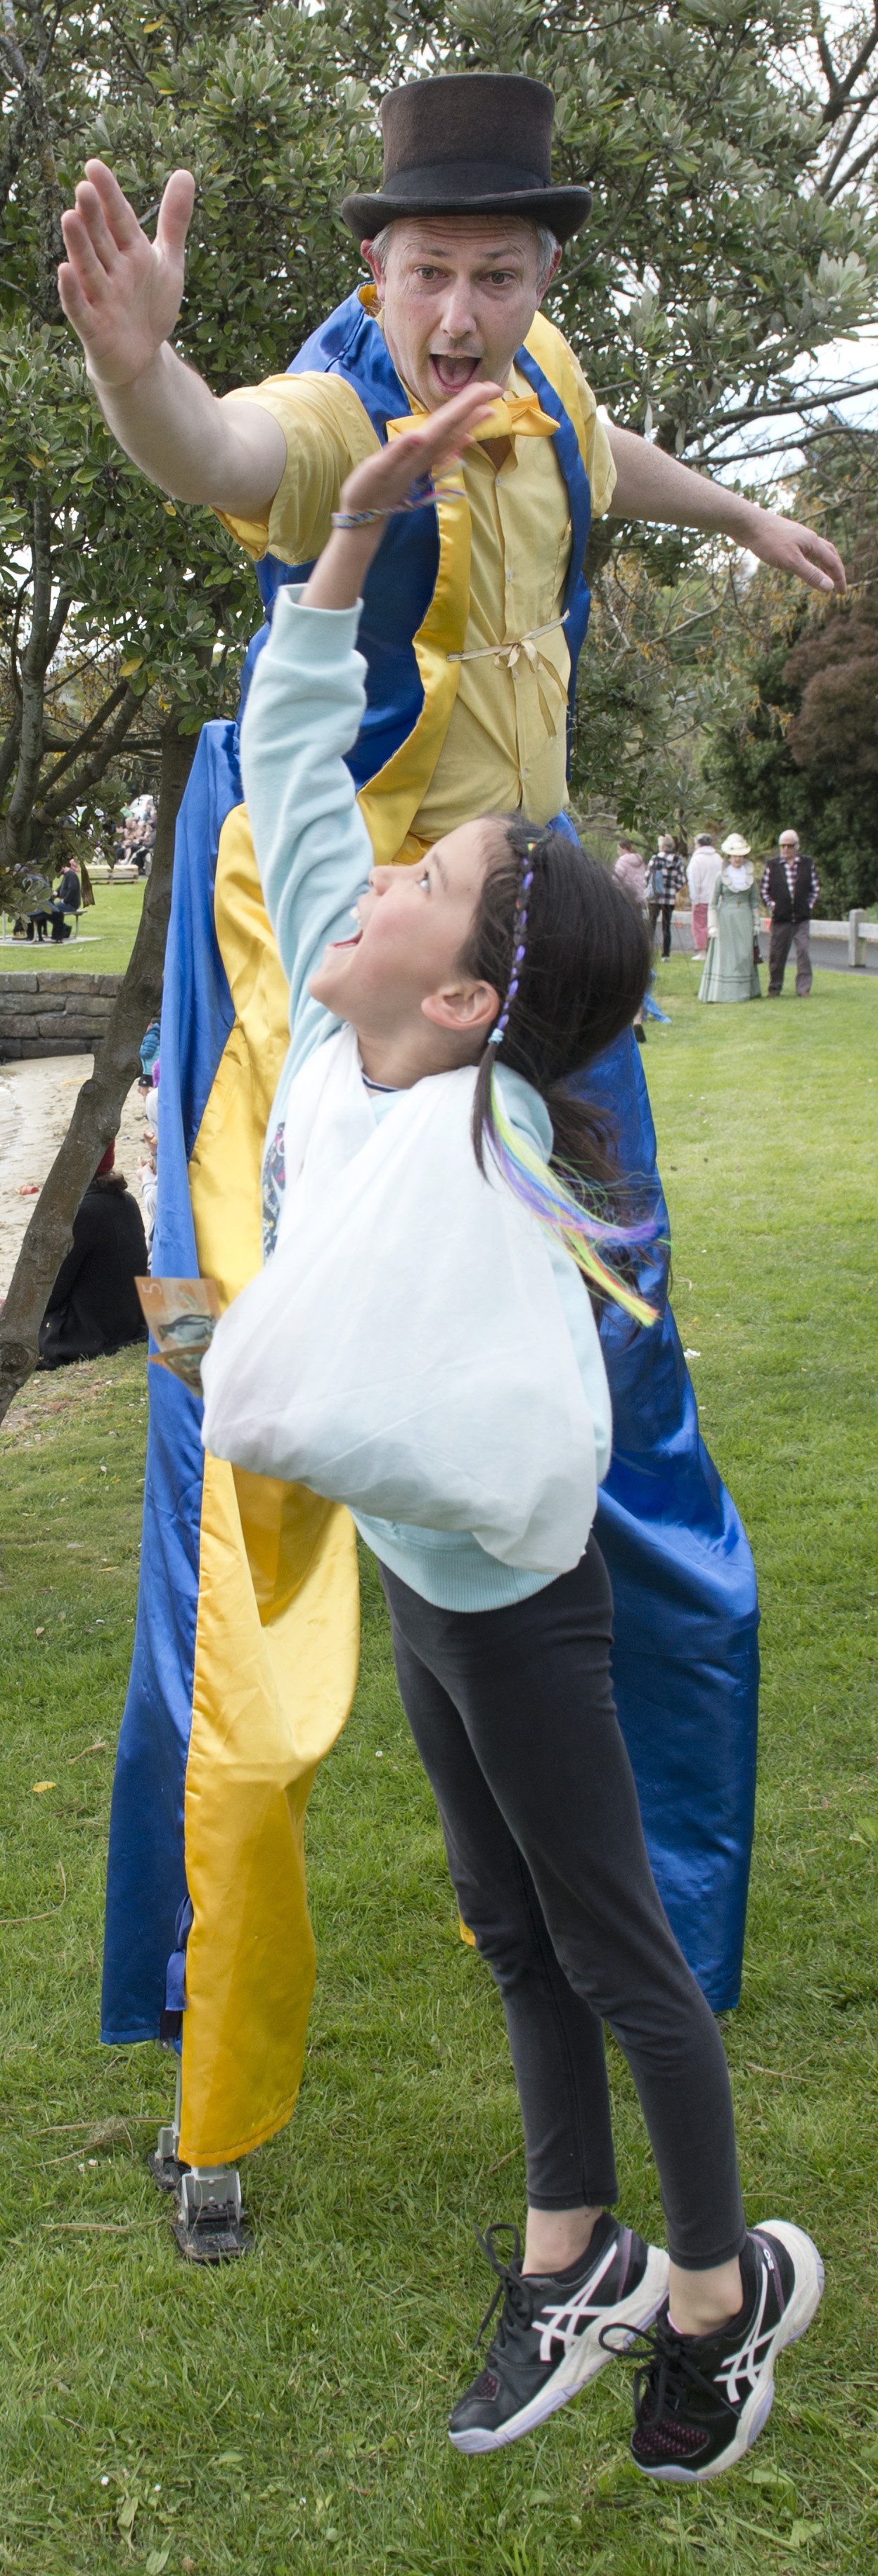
(510, 2286)
(668, 2371)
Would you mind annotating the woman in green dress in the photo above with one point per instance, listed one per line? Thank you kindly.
(731, 971)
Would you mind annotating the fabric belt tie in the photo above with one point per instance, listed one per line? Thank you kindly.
(511, 654)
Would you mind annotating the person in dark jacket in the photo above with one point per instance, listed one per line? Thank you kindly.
(94, 1307)
(67, 898)
(790, 888)
(664, 877)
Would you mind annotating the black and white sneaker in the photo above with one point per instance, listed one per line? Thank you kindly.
(700, 2401)
(548, 2341)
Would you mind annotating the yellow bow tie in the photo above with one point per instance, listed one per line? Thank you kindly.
(513, 416)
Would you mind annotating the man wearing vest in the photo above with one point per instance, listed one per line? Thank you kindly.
(475, 612)
(790, 888)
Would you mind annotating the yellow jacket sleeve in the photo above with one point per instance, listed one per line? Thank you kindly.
(327, 433)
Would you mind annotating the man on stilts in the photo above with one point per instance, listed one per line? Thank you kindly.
(475, 611)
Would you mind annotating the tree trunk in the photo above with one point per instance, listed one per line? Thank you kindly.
(99, 1105)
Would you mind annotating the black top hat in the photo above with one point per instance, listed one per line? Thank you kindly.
(471, 143)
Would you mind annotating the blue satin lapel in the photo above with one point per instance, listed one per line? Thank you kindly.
(400, 582)
(146, 1875)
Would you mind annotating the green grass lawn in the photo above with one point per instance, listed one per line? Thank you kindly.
(286, 2417)
(107, 931)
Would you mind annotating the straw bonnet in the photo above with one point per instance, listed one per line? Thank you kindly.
(735, 847)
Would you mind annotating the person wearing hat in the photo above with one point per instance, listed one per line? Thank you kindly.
(731, 966)
(475, 609)
(94, 1307)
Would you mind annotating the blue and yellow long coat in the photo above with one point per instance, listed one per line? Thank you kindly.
(246, 1647)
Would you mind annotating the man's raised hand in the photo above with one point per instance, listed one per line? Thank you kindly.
(121, 292)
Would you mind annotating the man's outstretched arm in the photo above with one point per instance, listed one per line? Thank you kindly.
(122, 294)
(651, 485)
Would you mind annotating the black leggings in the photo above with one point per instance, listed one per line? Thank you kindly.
(513, 1716)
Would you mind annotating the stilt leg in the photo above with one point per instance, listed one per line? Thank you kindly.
(211, 2223)
(164, 2163)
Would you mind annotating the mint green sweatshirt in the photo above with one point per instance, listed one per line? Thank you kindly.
(304, 711)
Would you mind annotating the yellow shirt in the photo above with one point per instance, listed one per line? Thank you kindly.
(505, 747)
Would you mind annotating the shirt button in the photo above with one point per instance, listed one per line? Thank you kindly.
(510, 576)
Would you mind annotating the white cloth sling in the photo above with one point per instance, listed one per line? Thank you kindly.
(405, 1349)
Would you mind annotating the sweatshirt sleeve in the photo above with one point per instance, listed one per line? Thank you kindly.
(313, 851)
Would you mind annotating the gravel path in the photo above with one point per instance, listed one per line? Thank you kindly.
(36, 1106)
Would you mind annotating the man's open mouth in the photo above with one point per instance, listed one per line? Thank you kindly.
(353, 942)
(453, 373)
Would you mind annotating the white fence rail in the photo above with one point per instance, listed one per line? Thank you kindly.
(855, 932)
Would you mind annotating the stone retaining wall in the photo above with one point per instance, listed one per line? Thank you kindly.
(54, 1014)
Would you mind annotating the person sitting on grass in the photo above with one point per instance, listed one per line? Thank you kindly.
(94, 1307)
(450, 1011)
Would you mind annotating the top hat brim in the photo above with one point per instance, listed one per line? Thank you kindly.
(561, 210)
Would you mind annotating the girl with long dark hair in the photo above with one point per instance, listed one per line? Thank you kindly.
(423, 1139)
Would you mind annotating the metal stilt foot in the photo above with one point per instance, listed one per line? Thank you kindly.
(211, 2223)
(164, 2163)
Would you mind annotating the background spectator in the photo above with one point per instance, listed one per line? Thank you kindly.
(631, 873)
(149, 1047)
(701, 876)
(664, 877)
(67, 898)
(38, 916)
(731, 967)
(147, 1177)
(140, 829)
(790, 888)
(94, 1307)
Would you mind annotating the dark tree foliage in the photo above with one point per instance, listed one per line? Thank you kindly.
(835, 673)
(794, 739)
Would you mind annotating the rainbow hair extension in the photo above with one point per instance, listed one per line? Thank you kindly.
(562, 1215)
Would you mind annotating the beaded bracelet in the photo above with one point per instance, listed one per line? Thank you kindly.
(426, 501)
(356, 518)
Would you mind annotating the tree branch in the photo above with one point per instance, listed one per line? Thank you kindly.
(57, 623)
(34, 106)
(9, 751)
(74, 750)
(16, 832)
(843, 146)
(12, 154)
(777, 411)
(110, 742)
(848, 176)
(100, 1102)
(840, 90)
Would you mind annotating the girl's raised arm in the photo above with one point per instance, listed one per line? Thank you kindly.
(305, 708)
(383, 484)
